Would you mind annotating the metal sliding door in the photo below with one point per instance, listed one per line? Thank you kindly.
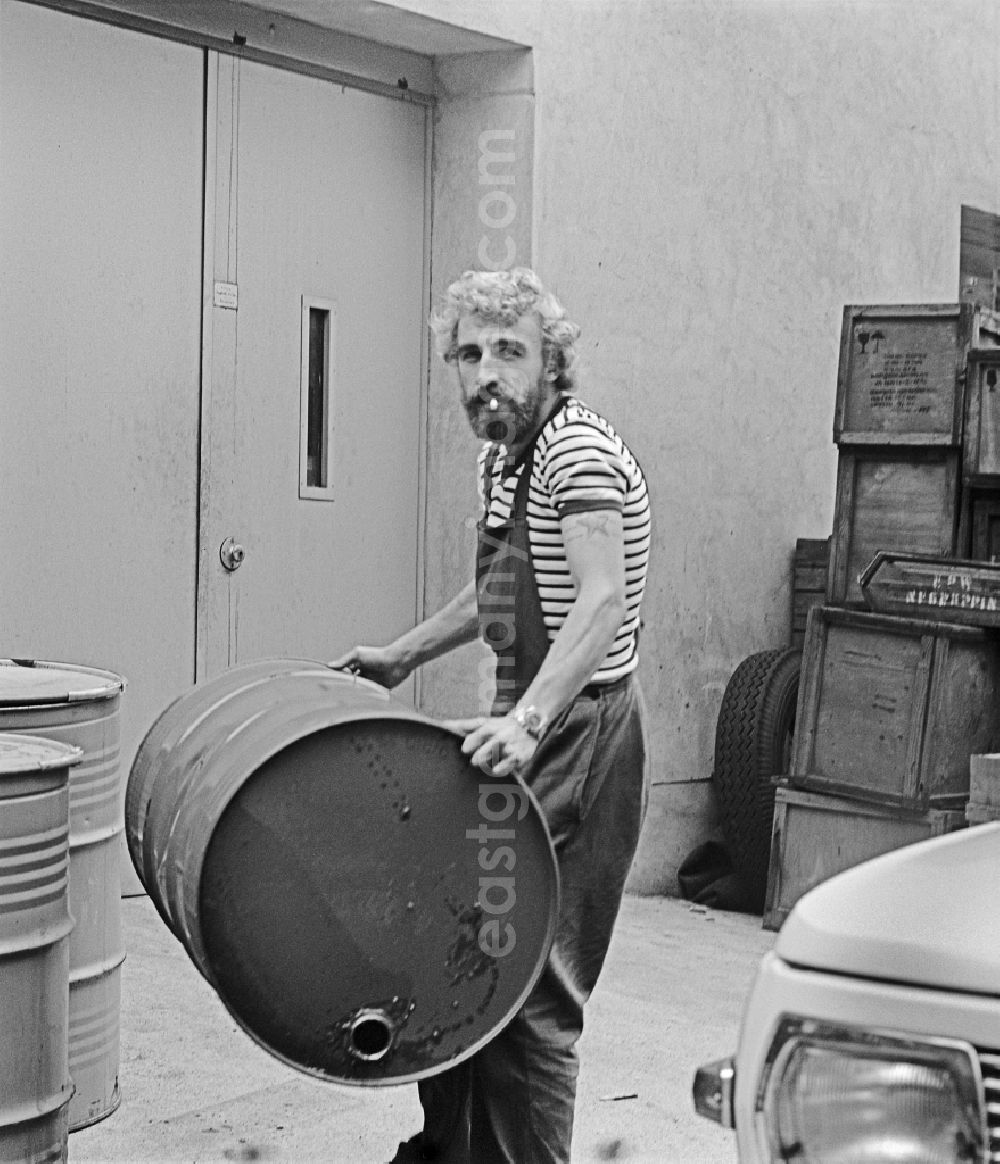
(314, 369)
(212, 327)
(101, 161)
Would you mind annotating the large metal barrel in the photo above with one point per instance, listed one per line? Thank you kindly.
(79, 706)
(369, 907)
(35, 925)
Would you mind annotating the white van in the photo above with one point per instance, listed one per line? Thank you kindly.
(871, 1034)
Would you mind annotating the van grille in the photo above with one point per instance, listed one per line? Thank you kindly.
(989, 1065)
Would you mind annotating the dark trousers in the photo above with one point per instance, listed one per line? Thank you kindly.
(513, 1101)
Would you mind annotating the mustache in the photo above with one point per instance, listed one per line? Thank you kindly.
(484, 413)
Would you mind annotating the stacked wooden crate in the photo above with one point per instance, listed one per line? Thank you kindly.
(809, 568)
(980, 513)
(892, 705)
(984, 789)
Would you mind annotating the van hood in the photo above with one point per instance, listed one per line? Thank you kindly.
(927, 914)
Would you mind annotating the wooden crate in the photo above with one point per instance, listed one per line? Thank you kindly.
(816, 836)
(809, 569)
(979, 257)
(891, 709)
(984, 780)
(925, 586)
(979, 526)
(901, 374)
(981, 439)
(976, 814)
(985, 328)
(890, 499)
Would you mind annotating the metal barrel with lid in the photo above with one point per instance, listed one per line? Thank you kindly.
(35, 927)
(369, 907)
(80, 706)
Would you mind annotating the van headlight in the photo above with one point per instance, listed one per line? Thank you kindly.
(832, 1094)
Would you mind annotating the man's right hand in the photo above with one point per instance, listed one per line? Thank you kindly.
(379, 664)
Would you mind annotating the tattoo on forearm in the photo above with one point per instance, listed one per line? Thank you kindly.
(587, 525)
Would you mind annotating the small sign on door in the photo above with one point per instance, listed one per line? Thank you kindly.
(225, 296)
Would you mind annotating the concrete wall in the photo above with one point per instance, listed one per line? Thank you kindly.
(713, 181)
(483, 217)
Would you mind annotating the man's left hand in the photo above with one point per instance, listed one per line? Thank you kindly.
(500, 746)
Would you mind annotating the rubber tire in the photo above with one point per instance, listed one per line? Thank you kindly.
(753, 738)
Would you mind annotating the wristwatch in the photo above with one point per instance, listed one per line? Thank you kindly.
(532, 720)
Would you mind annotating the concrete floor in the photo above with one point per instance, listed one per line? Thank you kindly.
(196, 1088)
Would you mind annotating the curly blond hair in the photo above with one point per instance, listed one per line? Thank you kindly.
(505, 296)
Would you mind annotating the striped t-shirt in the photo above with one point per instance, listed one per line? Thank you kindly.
(581, 464)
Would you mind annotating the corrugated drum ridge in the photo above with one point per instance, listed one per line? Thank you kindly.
(93, 1032)
(256, 739)
(170, 731)
(95, 784)
(34, 869)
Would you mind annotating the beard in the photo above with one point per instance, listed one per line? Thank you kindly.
(512, 420)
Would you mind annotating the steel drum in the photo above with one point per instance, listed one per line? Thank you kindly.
(80, 706)
(369, 907)
(35, 927)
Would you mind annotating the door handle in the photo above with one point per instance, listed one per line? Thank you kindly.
(231, 554)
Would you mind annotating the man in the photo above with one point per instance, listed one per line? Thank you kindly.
(561, 567)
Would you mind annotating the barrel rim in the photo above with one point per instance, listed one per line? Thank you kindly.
(56, 931)
(47, 754)
(113, 684)
(88, 1120)
(40, 1109)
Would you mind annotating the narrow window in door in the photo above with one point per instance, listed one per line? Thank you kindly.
(319, 321)
(316, 400)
